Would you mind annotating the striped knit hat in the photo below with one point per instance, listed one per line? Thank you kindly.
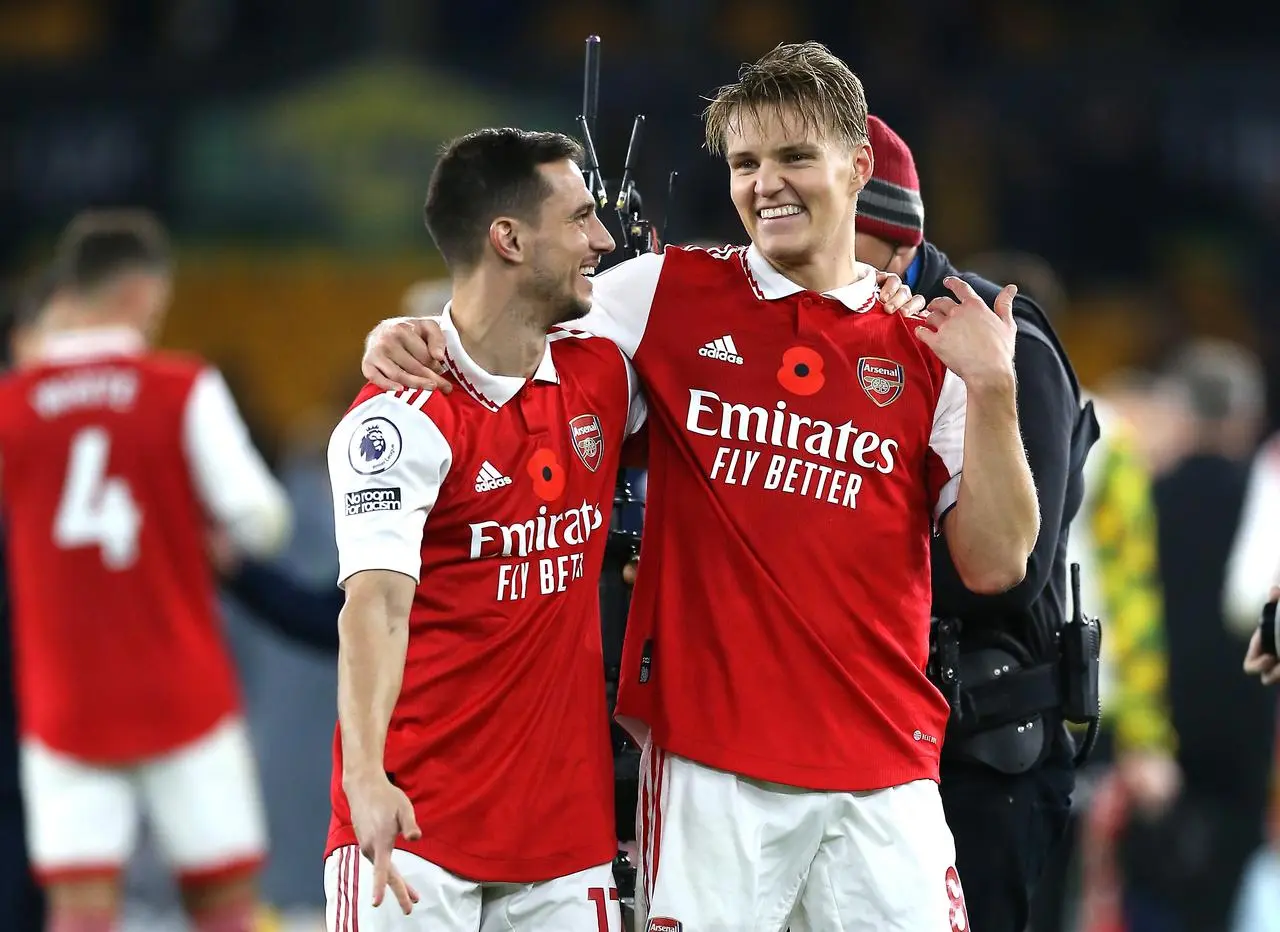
(889, 207)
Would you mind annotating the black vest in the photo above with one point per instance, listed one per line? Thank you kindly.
(1031, 639)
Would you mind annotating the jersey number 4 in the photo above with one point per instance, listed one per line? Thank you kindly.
(97, 509)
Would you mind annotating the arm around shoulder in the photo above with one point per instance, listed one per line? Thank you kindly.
(622, 301)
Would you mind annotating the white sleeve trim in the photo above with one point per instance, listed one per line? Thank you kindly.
(622, 300)
(1254, 564)
(230, 476)
(947, 437)
(381, 500)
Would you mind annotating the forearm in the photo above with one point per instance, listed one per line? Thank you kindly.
(1047, 410)
(994, 526)
(373, 639)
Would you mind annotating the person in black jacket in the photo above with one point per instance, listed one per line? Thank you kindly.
(1005, 788)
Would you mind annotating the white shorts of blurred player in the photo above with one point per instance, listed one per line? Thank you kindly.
(583, 902)
(723, 853)
(202, 802)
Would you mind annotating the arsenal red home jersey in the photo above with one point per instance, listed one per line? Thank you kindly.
(801, 448)
(114, 462)
(496, 498)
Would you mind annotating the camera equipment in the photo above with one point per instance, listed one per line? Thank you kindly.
(637, 236)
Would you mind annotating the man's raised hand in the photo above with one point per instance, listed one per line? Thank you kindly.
(972, 340)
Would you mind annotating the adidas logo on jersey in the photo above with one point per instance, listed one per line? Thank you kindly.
(722, 349)
(488, 478)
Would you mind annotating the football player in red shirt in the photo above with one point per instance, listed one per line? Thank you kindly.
(803, 447)
(115, 457)
(472, 763)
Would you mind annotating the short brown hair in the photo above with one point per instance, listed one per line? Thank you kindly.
(804, 77)
(99, 244)
(484, 175)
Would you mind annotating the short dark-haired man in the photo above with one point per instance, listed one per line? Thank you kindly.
(472, 762)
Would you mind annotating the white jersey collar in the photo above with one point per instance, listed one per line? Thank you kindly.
(91, 343)
(770, 284)
(492, 391)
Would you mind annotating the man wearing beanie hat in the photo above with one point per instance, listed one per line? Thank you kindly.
(1007, 776)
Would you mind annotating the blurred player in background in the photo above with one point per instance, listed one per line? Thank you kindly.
(803, 447)
(115, 458)
(472, 763)
(21, 899)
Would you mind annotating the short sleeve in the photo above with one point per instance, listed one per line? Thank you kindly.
(229, 474)
(622, 300)
(387, 461)
(946, 444)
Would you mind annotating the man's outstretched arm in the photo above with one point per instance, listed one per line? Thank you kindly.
(409, 352)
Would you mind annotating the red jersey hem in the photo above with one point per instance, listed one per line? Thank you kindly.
(490, 870)
(96, 755)
(836, 779)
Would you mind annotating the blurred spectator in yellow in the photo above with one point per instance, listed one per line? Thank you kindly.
(1153, 412)
(1114, 540)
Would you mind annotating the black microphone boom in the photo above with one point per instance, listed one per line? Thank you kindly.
(587, 121)
(638, 234)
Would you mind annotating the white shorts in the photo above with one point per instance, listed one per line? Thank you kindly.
(202, 802)
(583, 902)
(722, 853)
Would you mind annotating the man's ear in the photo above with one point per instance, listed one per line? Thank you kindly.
(864, 163)
(509, 239)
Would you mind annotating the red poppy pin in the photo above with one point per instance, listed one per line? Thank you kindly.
(547, 475)
(801, 371)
